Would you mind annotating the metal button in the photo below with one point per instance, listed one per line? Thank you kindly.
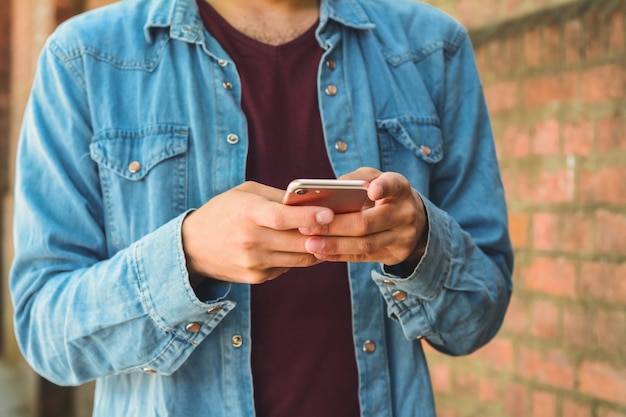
(232, 139)
(134, 167)
(185, 28)
(426, 150)
(149, 371)
(369, 346)
(399, 295)
(331, 64)
(215, 310)
(389, 283)
(227, 85)
(193, 327)
(222, 63)
(237, 340)
(341, 146)
(331, 90)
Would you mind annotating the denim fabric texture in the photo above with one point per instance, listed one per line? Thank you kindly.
(118, 145)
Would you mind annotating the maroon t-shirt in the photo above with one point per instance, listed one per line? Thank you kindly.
(303, 358)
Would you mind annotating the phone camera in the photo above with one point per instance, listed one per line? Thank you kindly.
(301, 191)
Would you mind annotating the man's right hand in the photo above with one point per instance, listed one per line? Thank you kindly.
(245, 235)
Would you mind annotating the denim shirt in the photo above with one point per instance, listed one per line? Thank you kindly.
(118, 144)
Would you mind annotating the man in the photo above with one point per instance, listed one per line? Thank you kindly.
(152, 251)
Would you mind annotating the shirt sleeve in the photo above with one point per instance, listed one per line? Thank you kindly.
(458, 294)
(80, 311)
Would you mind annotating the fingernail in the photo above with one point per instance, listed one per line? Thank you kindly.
(324, 216)
(314, 245)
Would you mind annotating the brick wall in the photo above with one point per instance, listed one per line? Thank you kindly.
(553, 72)
(556, 88)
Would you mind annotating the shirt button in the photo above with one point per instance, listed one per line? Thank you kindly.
(232, 139)
(149, 371)
(222, 63)
(331, 90)
(389, 283)
(193, 327)
(227, 85)
(215, 310)
(134, 167)
(341, 146)
(331, 64)
(426, 150)
(399, 295)
(237, 340)
(369, 346)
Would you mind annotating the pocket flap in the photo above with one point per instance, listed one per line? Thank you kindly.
(421, 136)
(133, 153)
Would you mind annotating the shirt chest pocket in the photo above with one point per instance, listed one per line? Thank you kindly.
(143, 178)
(411, 146)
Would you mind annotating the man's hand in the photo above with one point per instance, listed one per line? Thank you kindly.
(245, 235)
(394, 231)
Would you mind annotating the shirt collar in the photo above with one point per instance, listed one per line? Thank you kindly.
(184, 22)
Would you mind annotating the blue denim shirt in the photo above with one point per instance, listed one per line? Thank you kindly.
(118, 144)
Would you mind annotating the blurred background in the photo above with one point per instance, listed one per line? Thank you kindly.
(554, 73)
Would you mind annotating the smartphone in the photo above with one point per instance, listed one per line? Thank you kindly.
(341, 196)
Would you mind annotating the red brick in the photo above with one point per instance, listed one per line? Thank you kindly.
(550, 276)
(498, 354)
(578, 327)
(441, 378)
(594, 36)
(611, 133)
(466, 384)
(603, 83)
(604, 281)
(443, 411)
(501, 97)
(546, 140)
(516, 316)
(573, 41)
(610, 232)
(611, 340)
(577, 232)
(605, 412)
(575, 409)
(603, 381)
(552, 368)
(578, 138)
(516, 142)
(532, 48)
(607, 185)
(550, 186)
(616, 32)
(551, 43)
(545, 231)
(466, 11)
(516, 400)
(545, 320)
(549, 89)
(544, 404)
(518, 229)
(488, 390)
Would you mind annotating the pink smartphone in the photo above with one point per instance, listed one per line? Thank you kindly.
(341, 196)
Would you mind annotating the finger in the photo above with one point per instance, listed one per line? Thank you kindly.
(383, 247)
(364, 173)
(273, 215)
(363, 223)
(270, 193)
(388, 186)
